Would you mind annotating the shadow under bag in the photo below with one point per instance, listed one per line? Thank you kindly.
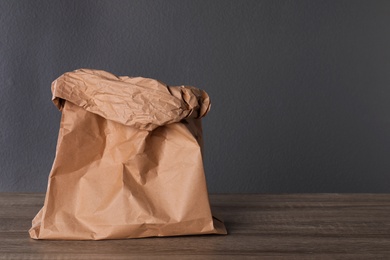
(128, 161)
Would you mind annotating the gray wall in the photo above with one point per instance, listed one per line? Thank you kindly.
(300, 89)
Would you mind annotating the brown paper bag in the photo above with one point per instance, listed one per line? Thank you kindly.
(128, 161)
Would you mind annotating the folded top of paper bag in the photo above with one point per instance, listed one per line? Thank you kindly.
(139, 102)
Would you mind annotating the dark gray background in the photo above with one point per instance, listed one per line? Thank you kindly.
(300, 89)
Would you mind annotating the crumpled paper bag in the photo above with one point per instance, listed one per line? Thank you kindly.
(128, 161)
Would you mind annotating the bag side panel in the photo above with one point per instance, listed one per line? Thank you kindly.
(112, 181)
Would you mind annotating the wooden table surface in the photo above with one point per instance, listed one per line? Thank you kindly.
(260, 226)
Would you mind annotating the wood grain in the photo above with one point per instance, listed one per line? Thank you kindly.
(260, 226)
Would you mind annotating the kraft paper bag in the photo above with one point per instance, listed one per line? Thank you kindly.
(128, 161)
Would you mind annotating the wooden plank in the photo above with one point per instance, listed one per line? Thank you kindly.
(273, 226)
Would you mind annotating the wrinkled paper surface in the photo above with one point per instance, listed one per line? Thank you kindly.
(128, 161)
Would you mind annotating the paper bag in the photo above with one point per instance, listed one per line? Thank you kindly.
(128, 161)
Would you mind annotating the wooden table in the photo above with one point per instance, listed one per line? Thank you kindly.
(262, 226)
